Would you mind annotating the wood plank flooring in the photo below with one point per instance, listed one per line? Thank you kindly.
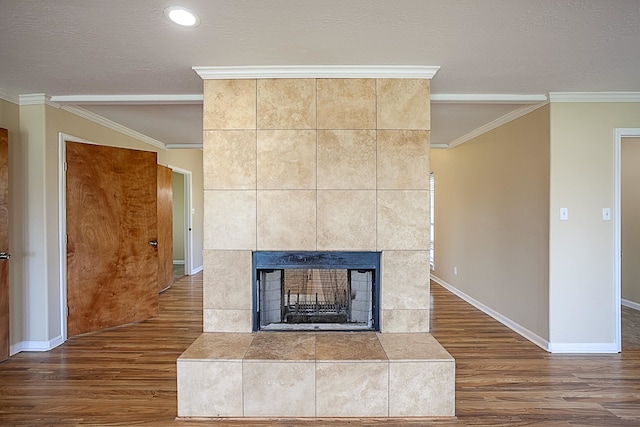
(127, 375)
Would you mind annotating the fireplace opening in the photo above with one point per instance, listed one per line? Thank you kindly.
(316, 290)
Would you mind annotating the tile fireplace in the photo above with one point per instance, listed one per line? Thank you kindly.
(316, 225)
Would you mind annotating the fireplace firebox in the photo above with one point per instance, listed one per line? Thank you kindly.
(316, 290)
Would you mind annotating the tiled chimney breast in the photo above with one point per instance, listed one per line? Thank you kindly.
(316, 165)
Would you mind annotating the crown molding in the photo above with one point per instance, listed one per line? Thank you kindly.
(37, 99)
(182, 99)
(9, 97)
(594, 96)
(438, 146)
(195, 145)
(487, 98)
(495, 124)
(88, 115)
(318, 71)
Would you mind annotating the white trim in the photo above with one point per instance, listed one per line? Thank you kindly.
(439, 146)
(630, 304)
(36, 99)
(62, 229)
(515, 327)
(500, 121)
(180, 99)
(85, 114)
(486, 98)
(197, 270)
(618, 134)
(317, 71)
(35, 345)
(178, 261)
(188, 218)
(583, 348)
(195, 146)
(41, 98)
(594, 96)
(9, 97)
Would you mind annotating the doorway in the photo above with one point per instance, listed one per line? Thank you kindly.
(108, 235)
(621, 134)
(182, 216)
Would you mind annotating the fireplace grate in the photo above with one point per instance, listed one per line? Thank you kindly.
(316, 311)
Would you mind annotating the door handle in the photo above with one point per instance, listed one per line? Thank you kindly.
(4, 255)
(153, 243)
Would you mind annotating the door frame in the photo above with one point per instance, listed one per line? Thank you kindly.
(188, 213)
(619, 134)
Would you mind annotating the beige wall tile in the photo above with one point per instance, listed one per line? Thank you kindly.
(352, 389)
(209, 389)
(287, 220)
(403, 160)
(347, 220)
(228, 279)
(408, 347)
(289, 346)
(402, 321)
(229, 104)
(403, 220)
(230, 220)
(422, 389)
(221, 346)
(279, 389)
(287, 104)
(403, 104)
(229, 159)
(405, 280)
(219, 320)
(342, 346)
(286, 159)
(347, 159)
(346, 104)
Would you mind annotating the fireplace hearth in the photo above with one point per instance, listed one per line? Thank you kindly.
(316, 291)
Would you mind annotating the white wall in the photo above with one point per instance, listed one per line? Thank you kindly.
(491, 221)
(581, 268)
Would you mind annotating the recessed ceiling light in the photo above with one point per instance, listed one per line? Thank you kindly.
(182, 16)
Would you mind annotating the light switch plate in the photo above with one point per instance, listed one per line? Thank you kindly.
(564, 214)
(606, 214)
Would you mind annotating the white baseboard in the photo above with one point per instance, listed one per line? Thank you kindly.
(515, 327)
(630, 304)
(35, 345)
(583, 348)
(178, 261)
(197, 269)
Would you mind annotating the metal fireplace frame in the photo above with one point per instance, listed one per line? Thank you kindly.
(279, 260)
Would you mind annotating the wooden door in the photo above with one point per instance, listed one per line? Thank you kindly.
(4, 244)
(112, 269)
(165, 228)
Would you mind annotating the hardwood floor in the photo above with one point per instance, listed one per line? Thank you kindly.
(127, 375)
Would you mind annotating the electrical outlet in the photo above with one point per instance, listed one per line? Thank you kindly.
(455, 271)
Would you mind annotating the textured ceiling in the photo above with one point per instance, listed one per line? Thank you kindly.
(96, 47)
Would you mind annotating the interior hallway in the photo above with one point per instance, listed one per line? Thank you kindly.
(127, 375)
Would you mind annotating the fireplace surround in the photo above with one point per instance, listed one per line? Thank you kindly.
(315, 168)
